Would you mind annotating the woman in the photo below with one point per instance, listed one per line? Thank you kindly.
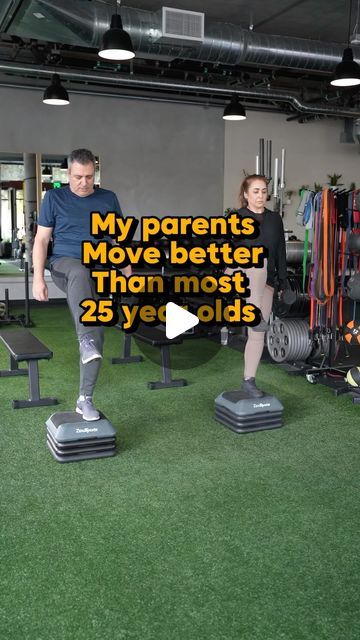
(253, 196)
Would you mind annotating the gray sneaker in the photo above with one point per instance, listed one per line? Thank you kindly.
(88, 350)
(87, 409)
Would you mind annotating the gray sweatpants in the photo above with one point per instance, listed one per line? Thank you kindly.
(70, 275)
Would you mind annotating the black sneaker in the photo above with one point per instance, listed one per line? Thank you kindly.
(250, 389)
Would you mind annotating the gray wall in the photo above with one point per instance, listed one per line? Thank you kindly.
(159, 158)
(313, 151)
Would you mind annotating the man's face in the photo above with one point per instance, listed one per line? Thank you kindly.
(81, 178)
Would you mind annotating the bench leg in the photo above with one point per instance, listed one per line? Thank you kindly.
(127, 357)
(13, 370)
(34, 390)
(167, 380)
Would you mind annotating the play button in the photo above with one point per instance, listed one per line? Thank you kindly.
(178, 320)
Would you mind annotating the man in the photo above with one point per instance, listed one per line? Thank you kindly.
(65, 216)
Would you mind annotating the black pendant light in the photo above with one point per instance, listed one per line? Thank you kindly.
(116, 43)
(347, 72)
(234, 110)
(56, 94)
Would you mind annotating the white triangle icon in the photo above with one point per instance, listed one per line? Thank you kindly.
(178, 320)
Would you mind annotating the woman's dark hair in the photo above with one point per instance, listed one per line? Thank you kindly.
(246, 184)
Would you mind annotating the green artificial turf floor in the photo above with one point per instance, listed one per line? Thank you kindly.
(10, 268)
(191, 532)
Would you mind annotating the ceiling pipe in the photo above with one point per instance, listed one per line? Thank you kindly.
(202, 102)
(145, 83)
(301, 118)
(206, 103)
(84, 23)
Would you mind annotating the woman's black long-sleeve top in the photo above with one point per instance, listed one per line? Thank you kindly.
(271, 235)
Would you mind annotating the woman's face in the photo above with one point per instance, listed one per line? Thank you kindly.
(257, 196)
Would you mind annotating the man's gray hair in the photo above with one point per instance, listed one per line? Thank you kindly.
(82, 156)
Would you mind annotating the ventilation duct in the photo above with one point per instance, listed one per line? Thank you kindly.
(7, 10)
(83, 24)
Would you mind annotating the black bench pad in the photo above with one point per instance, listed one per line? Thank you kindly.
(155, 336)
(23, 345)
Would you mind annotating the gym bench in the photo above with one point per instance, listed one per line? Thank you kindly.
(24, 346)
(156, 337)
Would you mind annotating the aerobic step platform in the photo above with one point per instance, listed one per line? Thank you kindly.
(242, 414)
(70, 438)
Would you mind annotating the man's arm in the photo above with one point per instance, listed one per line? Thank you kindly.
(39, 255)
(127, 271)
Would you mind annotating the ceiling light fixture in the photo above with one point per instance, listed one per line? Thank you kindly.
(116, 43)
(347, 72)
(56, 94)
(234, 110)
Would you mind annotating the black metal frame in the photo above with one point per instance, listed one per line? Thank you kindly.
(32, 371)
(166, 381)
